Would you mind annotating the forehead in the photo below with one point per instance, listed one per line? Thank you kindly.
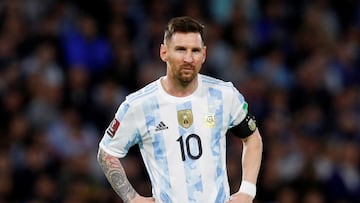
(192, 39)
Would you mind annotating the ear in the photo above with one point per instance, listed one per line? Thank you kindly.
(204, 54)
(163, 52)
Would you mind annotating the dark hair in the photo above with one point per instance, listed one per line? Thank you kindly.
(183, 24)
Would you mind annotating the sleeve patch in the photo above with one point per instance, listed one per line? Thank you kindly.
(113, 127)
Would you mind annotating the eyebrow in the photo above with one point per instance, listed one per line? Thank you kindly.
(183, 47)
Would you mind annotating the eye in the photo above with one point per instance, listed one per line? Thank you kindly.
(180, 49)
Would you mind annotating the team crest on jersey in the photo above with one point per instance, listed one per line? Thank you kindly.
(209, 120)
(113, 127)
(185, 118)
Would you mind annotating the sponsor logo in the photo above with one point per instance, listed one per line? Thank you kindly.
(161, 126)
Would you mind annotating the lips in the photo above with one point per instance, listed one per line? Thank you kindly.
(187, 70)
(188, 67)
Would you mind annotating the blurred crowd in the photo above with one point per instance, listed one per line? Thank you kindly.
(65, 66)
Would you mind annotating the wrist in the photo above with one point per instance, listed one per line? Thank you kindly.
(248, 188)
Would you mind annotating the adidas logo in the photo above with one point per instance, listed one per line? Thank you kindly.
(161, 126)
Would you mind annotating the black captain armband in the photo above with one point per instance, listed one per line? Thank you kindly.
(245, 128)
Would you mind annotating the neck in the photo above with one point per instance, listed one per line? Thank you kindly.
(179, 88)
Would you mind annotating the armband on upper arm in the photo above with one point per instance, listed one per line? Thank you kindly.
(245, 128)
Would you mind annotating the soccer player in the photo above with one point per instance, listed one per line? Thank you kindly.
(179, 122)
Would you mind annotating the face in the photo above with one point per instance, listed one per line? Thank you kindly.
(184, 55)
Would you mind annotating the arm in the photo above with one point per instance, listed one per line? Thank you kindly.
(116, 176)
(251, 161)
(252, 154)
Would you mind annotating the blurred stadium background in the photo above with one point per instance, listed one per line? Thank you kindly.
(66, 65)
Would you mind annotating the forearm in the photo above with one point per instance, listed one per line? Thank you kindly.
(116, 176)
(252, 155)
(251, 161)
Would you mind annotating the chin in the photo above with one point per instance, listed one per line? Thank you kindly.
(187, 77)
(186, 80)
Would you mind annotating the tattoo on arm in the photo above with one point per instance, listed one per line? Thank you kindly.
(116, 176)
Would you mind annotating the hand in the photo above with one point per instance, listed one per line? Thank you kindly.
(240, 198)
(140, 199)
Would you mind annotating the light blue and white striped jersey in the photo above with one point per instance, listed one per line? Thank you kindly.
(181, 139)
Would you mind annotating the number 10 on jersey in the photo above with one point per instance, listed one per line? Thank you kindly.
(190, 147)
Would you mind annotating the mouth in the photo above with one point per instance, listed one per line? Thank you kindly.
(188, 67)
(187, 71)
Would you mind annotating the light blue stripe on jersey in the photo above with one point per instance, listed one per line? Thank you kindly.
(152, 117)
(216, 107)
(192, 170)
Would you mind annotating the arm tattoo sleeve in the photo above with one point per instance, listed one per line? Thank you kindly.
(116, 176)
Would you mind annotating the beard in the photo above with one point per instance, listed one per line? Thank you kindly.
(186, 74)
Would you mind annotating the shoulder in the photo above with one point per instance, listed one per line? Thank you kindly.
(143, 93)
(215, 82)
(215, 85)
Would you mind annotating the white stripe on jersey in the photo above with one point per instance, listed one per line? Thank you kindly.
(193, 149)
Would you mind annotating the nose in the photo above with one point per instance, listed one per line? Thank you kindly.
(188, 58)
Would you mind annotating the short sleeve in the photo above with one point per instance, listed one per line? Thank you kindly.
(239, 108)
(121, 134)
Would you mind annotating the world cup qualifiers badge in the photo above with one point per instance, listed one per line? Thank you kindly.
(113, 127)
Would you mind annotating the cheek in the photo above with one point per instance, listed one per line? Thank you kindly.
(174, 60)
(200, 60)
